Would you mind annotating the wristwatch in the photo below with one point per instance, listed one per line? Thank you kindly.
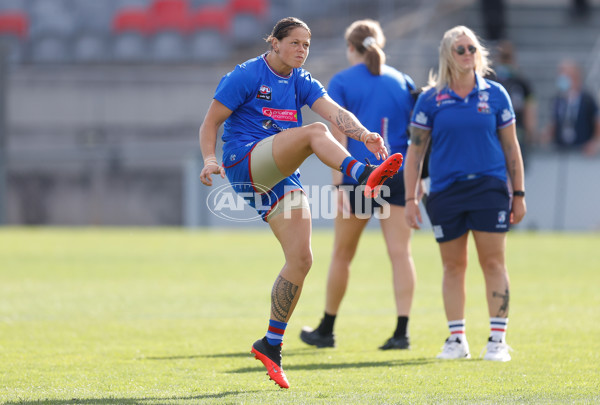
(518, 193)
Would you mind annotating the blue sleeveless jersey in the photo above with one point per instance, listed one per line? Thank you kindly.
(464, 137)
(263, 103)
(383, 104)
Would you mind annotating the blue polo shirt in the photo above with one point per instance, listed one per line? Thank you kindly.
(383, 104)
(465, 143)
(263, 102)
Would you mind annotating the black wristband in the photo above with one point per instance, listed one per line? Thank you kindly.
(518, 193)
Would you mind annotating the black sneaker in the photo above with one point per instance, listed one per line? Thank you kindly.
(401, 343)
(270, 356)
(314, 338)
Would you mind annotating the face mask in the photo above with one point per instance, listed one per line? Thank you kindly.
(563, 83)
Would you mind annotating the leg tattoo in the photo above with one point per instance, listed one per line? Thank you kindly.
(282, 297)
(503, 310)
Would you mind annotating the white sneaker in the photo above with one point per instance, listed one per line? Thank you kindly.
(497, 351)
(455, 348)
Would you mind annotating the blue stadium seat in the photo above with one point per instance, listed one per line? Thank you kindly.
(246, 29)
(89, 46)
(209, 46)
(210, 27)
(130, 29)
(51, 17)
(170, 21)
(51, 31)
(168, 46)
(49, 48)
(250, 20)
(129, 47)
(92, 35)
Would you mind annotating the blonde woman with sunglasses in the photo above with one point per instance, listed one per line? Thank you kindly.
(470, 123)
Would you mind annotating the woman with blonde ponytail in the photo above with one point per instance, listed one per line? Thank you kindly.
(381, 98)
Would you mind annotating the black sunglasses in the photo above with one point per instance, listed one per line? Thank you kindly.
(461, 49)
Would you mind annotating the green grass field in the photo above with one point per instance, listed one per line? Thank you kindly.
(167, 316)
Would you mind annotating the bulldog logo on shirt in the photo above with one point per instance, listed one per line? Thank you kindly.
(264, 93)
(483, 106)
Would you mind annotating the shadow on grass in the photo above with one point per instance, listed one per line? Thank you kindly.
(222, 355)
(129, 401)
(197, 356)
(329, 366)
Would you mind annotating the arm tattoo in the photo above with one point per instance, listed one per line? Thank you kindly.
(282, 297)
(418, 136)
(347, 123)
(503, 310)
(419, 140)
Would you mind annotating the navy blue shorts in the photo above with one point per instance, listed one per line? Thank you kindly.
(392, 194)
(481, 204)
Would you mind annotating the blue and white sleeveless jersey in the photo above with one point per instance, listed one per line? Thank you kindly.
(464, 137)
(383, 104)
(263, 103)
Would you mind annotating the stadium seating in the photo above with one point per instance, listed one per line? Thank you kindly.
(249, 20)
(130, 28)
(100, 31)
(257, 8)
(131, 20)
(169, 30)
(14, 23)
(14, 26)
(91, 38)
(209, 39)
(51, 32)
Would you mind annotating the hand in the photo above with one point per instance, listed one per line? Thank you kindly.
(412, 214)
(374, 142)
(519, 208)
(207, 170)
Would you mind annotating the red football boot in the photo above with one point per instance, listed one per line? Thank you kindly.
(271, 358)
(374, 176)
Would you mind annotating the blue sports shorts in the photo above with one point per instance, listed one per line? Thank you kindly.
(481, 204)
(362, 206)
(261, 198)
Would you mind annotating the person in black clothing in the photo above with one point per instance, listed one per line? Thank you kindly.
(494, 19)
(521, 95)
